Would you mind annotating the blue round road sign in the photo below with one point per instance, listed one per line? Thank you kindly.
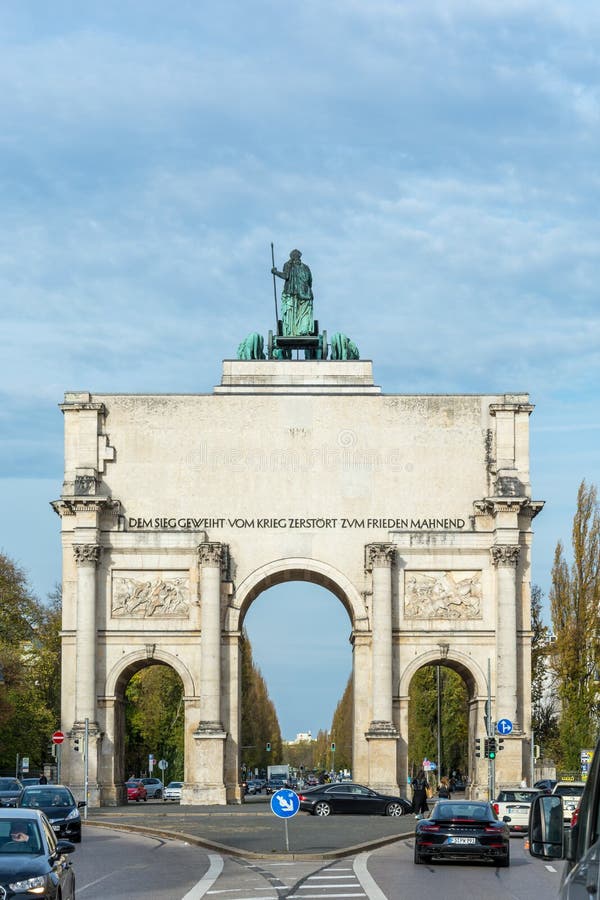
(285, 803)
(504, 726)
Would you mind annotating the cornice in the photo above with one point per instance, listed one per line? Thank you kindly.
(70, 506)
(511, 407)
(491, 506)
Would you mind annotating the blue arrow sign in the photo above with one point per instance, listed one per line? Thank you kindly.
(504, 726)
(285, 803)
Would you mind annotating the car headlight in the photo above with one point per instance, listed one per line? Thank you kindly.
(33, 885)
(74, 814)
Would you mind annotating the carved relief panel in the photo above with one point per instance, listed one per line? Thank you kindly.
(148, 594)
(442, 595)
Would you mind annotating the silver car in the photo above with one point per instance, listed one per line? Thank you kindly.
(154, 788)
(173, 790)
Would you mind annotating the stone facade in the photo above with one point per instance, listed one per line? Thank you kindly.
(177, 511)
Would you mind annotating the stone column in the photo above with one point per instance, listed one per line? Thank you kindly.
(210, 660)
(505, 557)
(205, 753)
(87, 557)
(382, 734)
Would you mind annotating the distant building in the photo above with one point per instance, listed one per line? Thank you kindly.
(302, 738)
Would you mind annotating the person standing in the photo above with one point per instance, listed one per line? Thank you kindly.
(419, 785)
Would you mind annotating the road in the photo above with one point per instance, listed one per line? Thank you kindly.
(126, 866)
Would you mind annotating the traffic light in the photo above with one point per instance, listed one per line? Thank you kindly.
(492, 748)
(477, 746)
(332, 747)
(76, 744)
(486, 745)
(500, 744)
(536, 751)
(268, 747)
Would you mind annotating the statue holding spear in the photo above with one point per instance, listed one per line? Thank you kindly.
(297, 296)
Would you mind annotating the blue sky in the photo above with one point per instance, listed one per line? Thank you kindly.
(436, 161)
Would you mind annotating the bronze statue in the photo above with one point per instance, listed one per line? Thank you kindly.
(297, 297)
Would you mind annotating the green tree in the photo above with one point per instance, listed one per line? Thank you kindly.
(544, 716)
(30, 663)
(260, 725)
(341, 729)
(575, 601)
(422, 719)
(155, 720)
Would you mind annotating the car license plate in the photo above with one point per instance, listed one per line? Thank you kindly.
(462, 840)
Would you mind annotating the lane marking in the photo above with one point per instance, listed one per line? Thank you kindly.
(551, 868)
(371, 889)
(215, 868)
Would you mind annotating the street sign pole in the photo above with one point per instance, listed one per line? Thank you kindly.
(86, 735)
(58, 763)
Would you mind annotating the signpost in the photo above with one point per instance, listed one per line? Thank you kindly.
(162, 765)
(57, 739)
(285, 803)
(504, 726)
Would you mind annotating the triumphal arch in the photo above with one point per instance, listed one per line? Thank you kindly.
(177, 511)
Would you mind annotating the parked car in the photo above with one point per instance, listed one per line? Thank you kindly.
(355, 799)
(33, 862)
(462, 829)
(173, 790)
(154, 788)
(58, 804)
(10, 788)
(571, 793)
(136, 790)
(516, 805)
(579, 844)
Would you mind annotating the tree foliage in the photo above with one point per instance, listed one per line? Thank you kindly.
(260, 725)
(30, 664)
(155, 721)
(544, 714)
(423, 715)
(341, 729)
(575, 601)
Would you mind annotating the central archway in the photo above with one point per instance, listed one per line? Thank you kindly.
(268, 576)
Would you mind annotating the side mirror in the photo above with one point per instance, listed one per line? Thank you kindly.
(506, 819)
(65, 847)
(80, 804)
(546, 829)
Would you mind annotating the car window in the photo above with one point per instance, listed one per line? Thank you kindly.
(338, 789)
(568, 790)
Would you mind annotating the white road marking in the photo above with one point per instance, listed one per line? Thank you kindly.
(551, 869)
(369, 886)
(215, 868)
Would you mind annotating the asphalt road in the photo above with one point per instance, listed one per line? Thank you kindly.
(124, 866)
(251, 828)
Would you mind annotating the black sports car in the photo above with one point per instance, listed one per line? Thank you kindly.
(32, 861)
(353, 799)
(463, 829)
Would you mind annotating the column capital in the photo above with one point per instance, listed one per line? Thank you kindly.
(505, 554)
(209, 554)
(87, 554)
(380, 555)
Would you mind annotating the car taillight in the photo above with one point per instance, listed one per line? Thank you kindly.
(496, 808)
(301, 797)
(491, 829)
(429, 828)
(575, 816)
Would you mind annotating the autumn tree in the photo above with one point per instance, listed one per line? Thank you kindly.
(575, 600)
(260, 725)
(30, 666)
(341, 729)
(155, 720)
(423, 715)
(544, 716)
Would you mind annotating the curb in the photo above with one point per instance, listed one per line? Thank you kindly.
(251, 854)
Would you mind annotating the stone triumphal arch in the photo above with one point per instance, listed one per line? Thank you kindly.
(177, 511)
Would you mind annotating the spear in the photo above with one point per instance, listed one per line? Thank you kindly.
(275, 291)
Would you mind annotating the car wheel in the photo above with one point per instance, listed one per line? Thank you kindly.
(145, 798)
(394, 809)
(417, 857)
(76, 839)
(504, 863)
(158, 795)
(137, 799)
(322, 808)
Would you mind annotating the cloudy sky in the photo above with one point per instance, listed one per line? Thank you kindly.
(435, 160)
